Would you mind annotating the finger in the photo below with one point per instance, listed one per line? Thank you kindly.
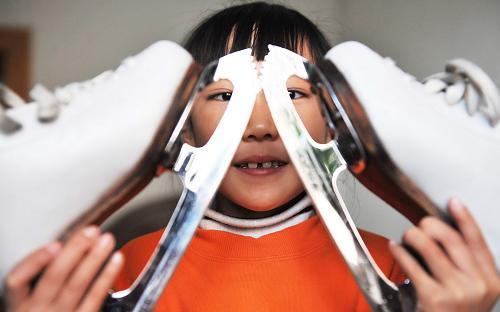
(18, 281)
(99, 290)
(411, 267)
(59, 270)
(452, 242)
(79, 281)
(437, 261)
(472, 235)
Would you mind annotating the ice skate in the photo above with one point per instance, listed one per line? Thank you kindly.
(320, 164)
(402, 106)
(201, 170)
(72, 157)
(420, 143)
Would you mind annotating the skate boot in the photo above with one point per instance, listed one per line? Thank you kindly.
(72, 157)
(415, 144)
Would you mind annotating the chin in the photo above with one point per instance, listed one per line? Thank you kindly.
(258, 201)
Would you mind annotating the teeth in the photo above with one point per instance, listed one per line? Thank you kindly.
(266, 164)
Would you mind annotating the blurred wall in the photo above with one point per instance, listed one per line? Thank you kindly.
(421, 35)
(75, 40)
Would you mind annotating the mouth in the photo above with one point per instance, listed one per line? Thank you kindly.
(260, 165)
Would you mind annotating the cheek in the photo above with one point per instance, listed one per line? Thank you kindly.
(311, 116)
(204, 119)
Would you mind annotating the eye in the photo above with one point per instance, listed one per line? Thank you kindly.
(222, 96)
(295, 95)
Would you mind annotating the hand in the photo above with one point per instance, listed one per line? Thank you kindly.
(71, 280)
(464, 276)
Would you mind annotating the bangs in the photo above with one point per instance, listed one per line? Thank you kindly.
(255, 26)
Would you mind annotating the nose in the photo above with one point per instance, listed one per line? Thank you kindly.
(260, 126)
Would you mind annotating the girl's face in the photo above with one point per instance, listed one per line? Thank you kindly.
(261, 176)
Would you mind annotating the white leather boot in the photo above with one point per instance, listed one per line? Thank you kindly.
(422, 144)
(73, 157)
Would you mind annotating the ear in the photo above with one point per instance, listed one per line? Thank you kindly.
(187, 134)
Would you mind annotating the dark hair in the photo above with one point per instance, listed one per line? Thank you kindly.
(254, 25)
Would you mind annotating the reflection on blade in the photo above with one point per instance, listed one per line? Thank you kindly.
(201, 170)
(319, 166)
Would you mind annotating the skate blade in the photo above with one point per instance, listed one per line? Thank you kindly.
(319, 166)
(201, 171)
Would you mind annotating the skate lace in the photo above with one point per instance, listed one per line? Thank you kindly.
(463, 81)
(49, 103)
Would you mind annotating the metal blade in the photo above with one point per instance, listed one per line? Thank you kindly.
(201, 170)
(319, 166)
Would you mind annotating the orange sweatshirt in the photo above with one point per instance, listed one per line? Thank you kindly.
(295, 269)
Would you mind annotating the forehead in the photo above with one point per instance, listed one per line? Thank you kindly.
(302, 48)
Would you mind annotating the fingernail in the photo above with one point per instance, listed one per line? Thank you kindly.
(456, 204)
(105, 240)
(117, 258)
(392, 243)
(53, 247)
(90, 231)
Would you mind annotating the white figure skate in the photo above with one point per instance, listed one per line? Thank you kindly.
(73, 157)
(410, 145)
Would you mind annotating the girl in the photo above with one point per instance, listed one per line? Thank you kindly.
(261, 247)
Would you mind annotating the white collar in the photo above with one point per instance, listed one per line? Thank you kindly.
(258, 227)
